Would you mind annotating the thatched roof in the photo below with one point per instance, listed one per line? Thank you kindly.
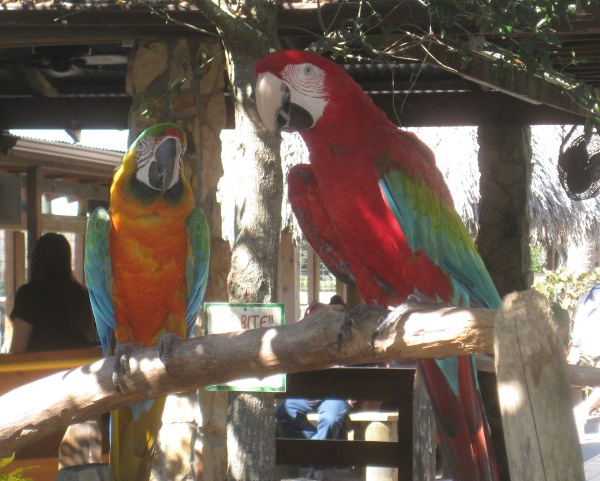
(555, 218)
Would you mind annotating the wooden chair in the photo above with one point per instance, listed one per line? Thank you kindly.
(360, 383)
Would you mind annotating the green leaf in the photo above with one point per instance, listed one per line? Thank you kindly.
(542, 22)
(465, 60)
(147, 113)
(6, 461)
(14, 475)
(176, 87)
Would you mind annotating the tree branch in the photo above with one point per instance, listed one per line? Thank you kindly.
(330, 337)
(235, 28)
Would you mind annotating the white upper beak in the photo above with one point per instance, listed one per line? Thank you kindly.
(270, 93)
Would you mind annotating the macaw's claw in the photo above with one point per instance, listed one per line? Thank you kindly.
(121, 368)
(166, 345)
(349, 323)
(413, 303)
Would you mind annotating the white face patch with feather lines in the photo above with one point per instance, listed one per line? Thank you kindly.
(153, 167)
(307, 87)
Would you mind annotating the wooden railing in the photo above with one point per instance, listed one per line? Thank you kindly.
(19, 369)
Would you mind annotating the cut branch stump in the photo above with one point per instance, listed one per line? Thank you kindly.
(534, 392)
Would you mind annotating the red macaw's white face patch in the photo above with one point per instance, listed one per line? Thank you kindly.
(307, 88)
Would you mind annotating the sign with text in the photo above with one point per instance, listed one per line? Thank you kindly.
(223, 317)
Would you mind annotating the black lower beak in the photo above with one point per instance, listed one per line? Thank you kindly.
(161, 170)
(291, 117)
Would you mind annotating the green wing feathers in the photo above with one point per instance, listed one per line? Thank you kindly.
(432, 225)
(197, 263)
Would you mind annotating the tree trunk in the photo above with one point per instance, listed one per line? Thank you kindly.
(251, 425)
(258, 190)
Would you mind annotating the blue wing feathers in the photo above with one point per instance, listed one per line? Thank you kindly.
(98, 276)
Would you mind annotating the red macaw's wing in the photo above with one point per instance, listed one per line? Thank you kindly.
(421, 202)
(314, 220)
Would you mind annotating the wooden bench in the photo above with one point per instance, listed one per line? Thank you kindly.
(361, 420)
(360, 383)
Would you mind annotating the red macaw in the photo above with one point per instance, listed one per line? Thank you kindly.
(375, 207)
(146, 263)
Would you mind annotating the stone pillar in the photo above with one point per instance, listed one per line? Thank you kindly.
(503, 238)
(182, 81)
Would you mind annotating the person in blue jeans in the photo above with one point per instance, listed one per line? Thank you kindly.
(291, 417)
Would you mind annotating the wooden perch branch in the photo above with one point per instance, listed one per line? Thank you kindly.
(320, 341)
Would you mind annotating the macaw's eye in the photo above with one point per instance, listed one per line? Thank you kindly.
(307, 70)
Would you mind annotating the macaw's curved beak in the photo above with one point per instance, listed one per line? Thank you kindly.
(164, 168)
(275, 108)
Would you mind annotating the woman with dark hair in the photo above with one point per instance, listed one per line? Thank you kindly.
(52, 311)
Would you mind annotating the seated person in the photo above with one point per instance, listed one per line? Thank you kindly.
(585, 350)
(291, 415)
(292, 421)
(52, 311)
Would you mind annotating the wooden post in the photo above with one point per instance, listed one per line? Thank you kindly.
(313, 271)
(423, 433)
(81, 444)
(288, 277)
(379, 431)
(19, 265)
(534, 392)
(34, 207)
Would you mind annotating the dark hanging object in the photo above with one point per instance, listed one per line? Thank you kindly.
(579, 167)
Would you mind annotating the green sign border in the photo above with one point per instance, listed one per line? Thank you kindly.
(225, 387)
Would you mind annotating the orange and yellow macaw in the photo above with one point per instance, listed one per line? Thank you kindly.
(146, 263)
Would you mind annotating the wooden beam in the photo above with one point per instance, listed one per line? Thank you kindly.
(392, 384)
(468, 108)
(76, 189)
(288, 275)
(509, 79)
(34, 79)
(313, 272)
(69, 113)
(337, 452)
(64, 223)
(413, 110)
(111, 23)
(34, 206)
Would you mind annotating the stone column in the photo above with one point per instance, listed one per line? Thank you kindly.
(503, 238)
(182, 81)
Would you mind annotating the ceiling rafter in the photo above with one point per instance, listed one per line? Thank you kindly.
(96, 98)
